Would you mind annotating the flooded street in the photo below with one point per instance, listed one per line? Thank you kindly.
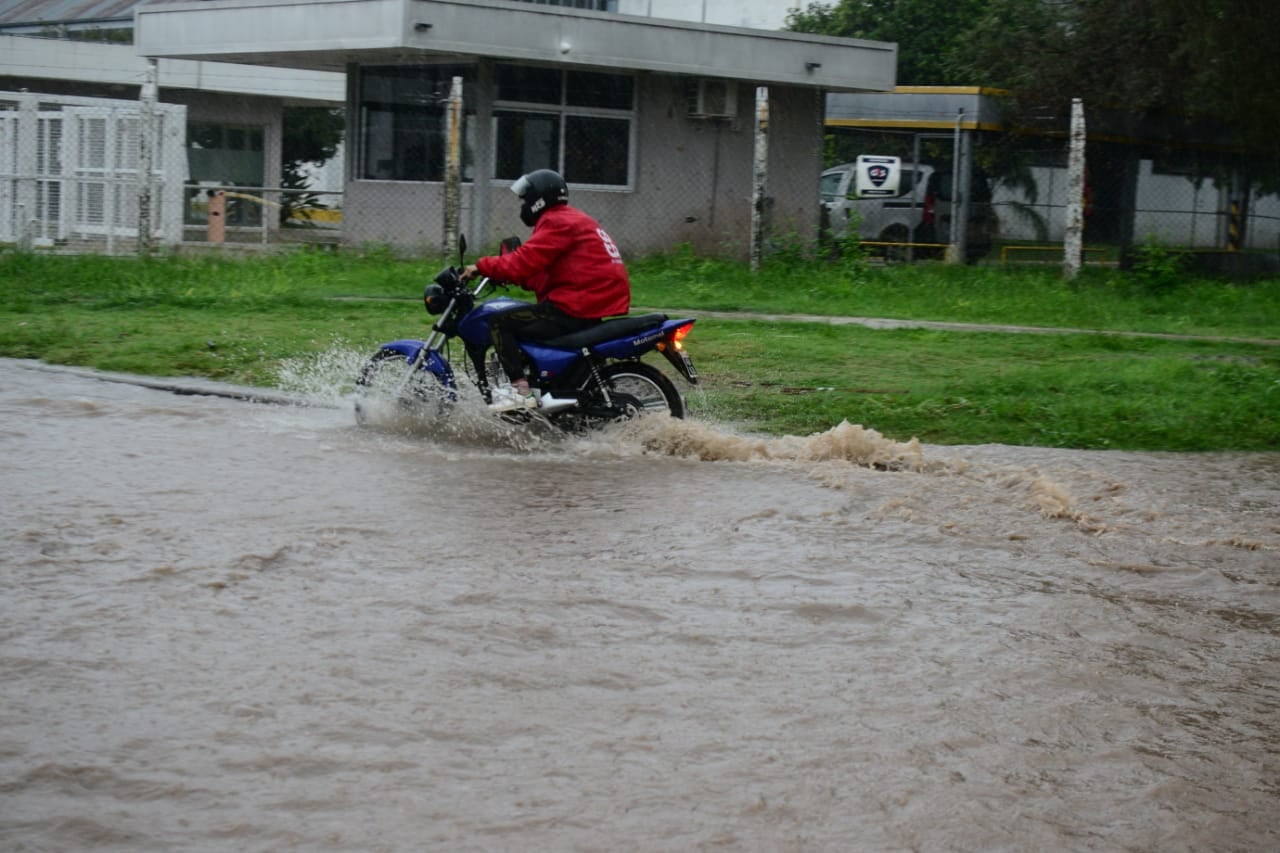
(226, 625)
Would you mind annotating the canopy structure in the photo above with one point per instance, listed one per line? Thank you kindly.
(329, 35)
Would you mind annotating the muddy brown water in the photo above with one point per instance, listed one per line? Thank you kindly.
(234, 626)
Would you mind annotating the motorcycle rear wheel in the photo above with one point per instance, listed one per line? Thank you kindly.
(381, 390)
(643, 388)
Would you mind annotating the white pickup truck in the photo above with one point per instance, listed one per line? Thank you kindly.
(919, 213)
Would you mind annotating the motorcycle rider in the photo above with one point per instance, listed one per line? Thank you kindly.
(569, 262)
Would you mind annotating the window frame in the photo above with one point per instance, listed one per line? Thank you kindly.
(563, 111)
(360, 163)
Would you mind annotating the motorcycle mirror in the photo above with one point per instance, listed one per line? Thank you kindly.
(462, 249)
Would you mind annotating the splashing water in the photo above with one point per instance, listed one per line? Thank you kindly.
(328, 378)
(842, 443)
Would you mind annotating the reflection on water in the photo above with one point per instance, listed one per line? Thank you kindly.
(236, 626)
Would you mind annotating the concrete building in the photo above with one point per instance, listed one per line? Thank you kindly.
(83, 49)
(651, 120)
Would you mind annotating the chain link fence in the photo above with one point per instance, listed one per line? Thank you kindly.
(1179, 200)
(215, 213)
(72, 173)
(72, 177)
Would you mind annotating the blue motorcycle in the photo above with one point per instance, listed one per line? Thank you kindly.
(582, 381)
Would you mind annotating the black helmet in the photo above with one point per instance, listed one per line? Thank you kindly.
(539, 190)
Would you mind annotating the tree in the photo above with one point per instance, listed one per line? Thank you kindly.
(1184, 61)
(311, 135)
(926, 31)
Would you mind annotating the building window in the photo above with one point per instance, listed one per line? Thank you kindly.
(576, 122)
(579, 123)
(220, 156)
(402, 120)
(230, 154)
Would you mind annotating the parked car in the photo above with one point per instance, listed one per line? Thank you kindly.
(919, 213)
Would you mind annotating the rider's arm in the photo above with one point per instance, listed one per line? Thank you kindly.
(527, 266)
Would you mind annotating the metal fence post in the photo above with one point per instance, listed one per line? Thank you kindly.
(955, 253)
(760, 177)
(453, 167)
(26, 189)
(217, 216)
(146, 156)
(1238, 204)
(1073, 249)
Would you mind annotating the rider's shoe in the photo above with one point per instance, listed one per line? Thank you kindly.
(507, 398)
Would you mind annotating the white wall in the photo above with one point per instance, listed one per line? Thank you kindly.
(1171, 210)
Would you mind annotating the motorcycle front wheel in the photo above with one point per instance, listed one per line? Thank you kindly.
(383, 390)
(642, 388)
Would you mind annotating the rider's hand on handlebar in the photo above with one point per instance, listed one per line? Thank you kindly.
(469, 272)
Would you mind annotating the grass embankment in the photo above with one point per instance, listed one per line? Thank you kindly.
(238, 320)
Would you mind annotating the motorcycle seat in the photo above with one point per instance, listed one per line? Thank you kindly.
(607, 331)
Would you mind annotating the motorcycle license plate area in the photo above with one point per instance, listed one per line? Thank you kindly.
(689, 372)
(681, 361)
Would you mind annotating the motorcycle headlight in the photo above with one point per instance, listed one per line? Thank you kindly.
(435, 299)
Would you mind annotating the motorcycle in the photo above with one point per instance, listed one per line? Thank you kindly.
(582, 381)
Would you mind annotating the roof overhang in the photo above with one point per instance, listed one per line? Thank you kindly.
(919, 108)
(327, 35)
(117, 64)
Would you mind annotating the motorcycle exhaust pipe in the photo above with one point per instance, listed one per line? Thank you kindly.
(549, 405)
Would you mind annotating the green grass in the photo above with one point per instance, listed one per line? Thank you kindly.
(1101, 299)
(1085, 391)
(240, 320)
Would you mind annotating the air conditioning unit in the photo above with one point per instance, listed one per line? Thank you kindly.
(714, 98)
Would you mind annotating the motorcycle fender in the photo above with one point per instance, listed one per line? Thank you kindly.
(634, 346)
(433, 363)
(680, 360)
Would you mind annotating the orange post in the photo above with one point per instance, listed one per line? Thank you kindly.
(217, 216)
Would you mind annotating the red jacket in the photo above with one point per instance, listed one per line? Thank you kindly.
(570, 262)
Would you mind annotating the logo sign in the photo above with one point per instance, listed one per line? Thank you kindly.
(877, 176)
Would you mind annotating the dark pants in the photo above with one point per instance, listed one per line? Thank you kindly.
(539, 322)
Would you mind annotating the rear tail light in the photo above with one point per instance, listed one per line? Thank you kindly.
(679, 334)
(675, 336)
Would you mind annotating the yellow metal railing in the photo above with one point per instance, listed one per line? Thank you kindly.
(1099, 253)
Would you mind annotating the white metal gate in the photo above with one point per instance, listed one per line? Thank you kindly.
(69, 171)
(8, 171)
